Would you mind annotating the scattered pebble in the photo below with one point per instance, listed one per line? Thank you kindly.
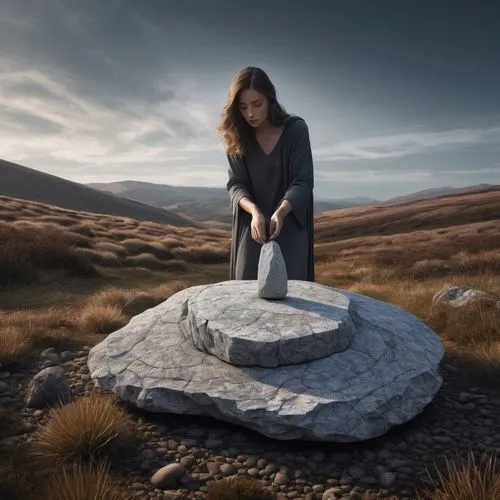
(179, 459)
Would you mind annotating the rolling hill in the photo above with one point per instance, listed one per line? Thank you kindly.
(457, 211)
(210, 205)
(440, 191)
(26, 183)
(206, 204)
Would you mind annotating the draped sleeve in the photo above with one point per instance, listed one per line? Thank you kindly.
(238, 184)
(302, 173)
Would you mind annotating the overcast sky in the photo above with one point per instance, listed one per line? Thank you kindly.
(398, 95)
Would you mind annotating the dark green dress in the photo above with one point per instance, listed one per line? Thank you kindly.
(286, 173)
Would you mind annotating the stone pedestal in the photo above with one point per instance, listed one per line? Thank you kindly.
(322, 364)
(230, 321)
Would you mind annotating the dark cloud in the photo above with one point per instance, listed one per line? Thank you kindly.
(31, 89)
(133, 83)
(29, 123)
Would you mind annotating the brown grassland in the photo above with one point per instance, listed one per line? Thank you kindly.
(68, 278)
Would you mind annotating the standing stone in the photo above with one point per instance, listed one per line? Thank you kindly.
(272, 276)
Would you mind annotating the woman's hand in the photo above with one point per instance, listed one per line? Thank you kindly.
(276, 225)
(280, 213)
(258, 227)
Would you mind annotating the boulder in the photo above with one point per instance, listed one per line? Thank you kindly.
(377, 366)
(48, 387)
(460, 296)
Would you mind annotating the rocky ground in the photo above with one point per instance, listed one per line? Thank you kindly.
(461, 418)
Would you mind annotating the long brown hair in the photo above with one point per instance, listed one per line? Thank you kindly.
(233, 128)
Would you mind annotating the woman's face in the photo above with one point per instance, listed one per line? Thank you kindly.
(253, 107)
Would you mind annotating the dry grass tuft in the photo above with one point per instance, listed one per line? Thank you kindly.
(474, 323)
(133, 301)
(101, 318)
(13, 344)
(83, 481)
(146, 260)
(136, 246)
(25, 251)
(112, 296)
(87, 428)
(239, 488)
(165, 290)
(36, 239)
(129, 302)
(83, 229)
(207, 253)
(100, 257)
(60, 220)
(109, 246)
(170, 242)
(25, 332)
(17, 474)
(176, 265)
(139, 303)
(480, 359)
(466, 479)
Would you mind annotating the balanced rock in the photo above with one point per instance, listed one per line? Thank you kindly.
(377, 366)
(271, 274)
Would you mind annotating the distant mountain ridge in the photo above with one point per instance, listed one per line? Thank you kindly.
(210, 204)
(167, 204)
(202, 203)
(17, 181)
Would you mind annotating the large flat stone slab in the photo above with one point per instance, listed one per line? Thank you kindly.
(231, 321)
(388, 374)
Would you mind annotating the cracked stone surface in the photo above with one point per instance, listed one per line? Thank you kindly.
(231, 321)
(386, 376)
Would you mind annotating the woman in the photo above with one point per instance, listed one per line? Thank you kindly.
(271, 178)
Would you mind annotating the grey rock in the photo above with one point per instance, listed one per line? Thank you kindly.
(46, 352)
(213, 468)
(357, 472)
(4, 387)
(168, 476)
(386, 376)
(331, 493)
(66, 355)
(461, 296)
(272, 276)
(281, 479)
(53, 358)
(388, 480)
(48, 387)
(227, 469)
(231, 322)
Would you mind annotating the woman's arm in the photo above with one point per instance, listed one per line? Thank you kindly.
(239, 194)
(249, 206)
